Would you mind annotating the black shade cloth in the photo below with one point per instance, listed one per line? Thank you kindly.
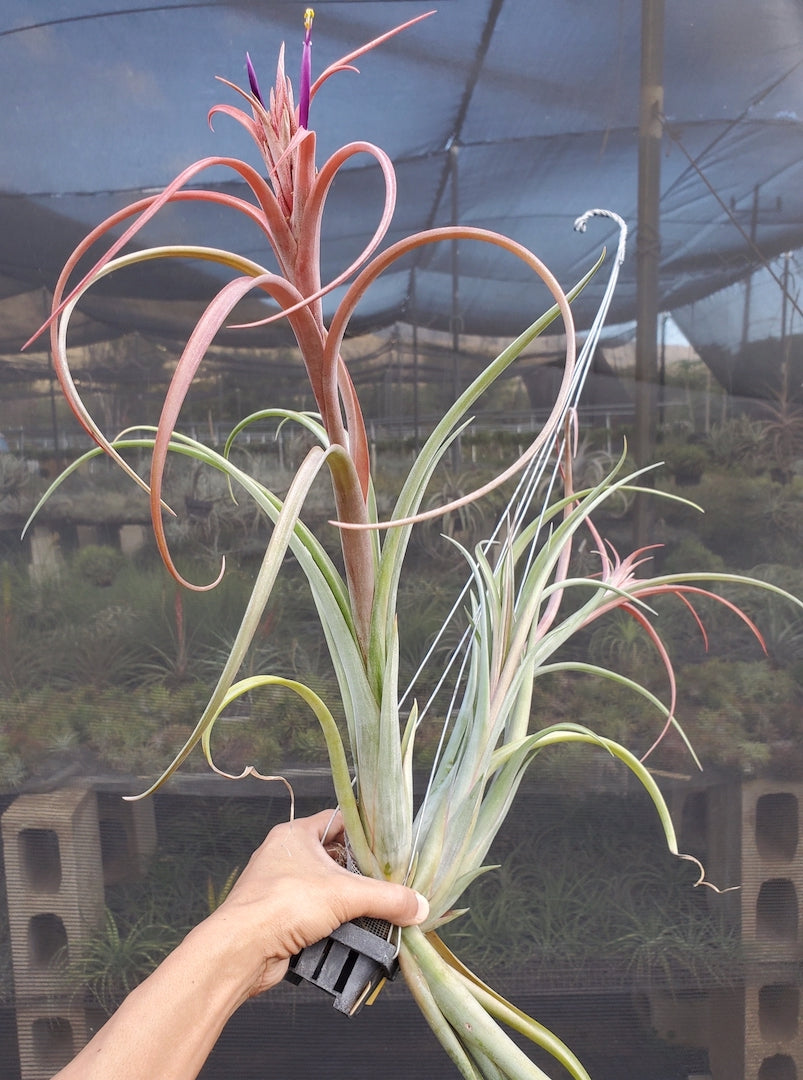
(104, 100)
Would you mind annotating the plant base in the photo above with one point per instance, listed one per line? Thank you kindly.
(351, 964)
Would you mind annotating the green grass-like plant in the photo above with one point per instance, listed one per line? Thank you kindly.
(585, 897)
(116, 960)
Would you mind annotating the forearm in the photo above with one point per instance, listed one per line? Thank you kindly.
(290, 894)
(167, 1026)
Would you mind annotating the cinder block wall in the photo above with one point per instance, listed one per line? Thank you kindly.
(754, 832)
(54, 879)
(772, 927)
(61, 849)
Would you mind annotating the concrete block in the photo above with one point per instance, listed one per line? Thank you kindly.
(54, 881)
(49, 1034)
(773, 1032)
(127, 837)
(132, 539)
(752, 839)
(772, 873)
(46, 558)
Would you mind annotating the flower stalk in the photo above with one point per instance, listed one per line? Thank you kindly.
(305, 79)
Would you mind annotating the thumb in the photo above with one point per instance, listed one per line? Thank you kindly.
(386, 900)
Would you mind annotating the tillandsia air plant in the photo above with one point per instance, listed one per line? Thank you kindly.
(522, 602)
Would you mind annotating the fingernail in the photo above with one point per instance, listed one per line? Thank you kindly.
(423, 908)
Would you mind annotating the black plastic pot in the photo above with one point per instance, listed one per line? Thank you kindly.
(351, 964)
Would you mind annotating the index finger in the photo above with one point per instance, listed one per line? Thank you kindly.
(327, 826)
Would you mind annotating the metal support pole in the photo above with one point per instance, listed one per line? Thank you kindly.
(416, 404)
(456, 318)
(648, 245)
(748, 285)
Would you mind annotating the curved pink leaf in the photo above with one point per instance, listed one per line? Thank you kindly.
(242, 118)
(205, 330)
(641, 590)
(693, 612)
(355, 423)
(679, 589)
(379, 264)
(344, 63)
(58, 347)
(311, 228)
(657, 641)
(148, 208)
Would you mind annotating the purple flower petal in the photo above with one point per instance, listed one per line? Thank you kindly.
(306, 71)
(252, 79)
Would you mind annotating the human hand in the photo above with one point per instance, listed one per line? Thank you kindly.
(292, 894)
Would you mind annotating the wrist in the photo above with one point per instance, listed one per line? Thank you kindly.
(239, 951)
